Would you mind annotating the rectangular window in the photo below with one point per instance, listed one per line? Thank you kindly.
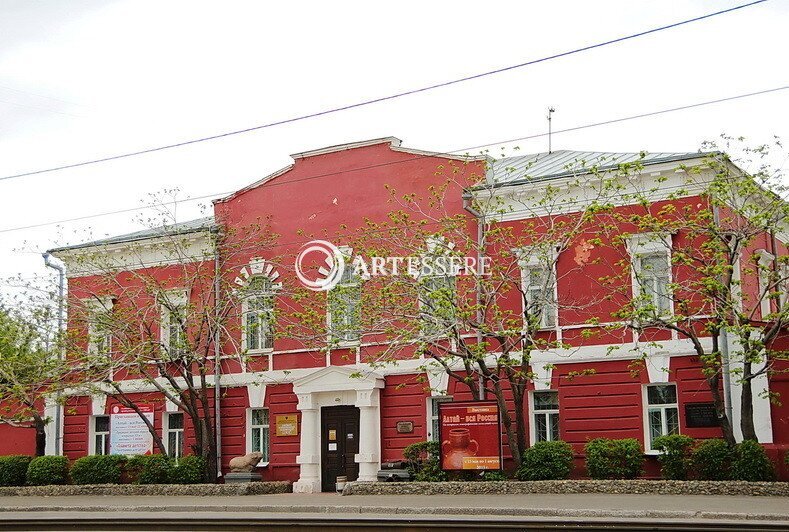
(259, 314)
(653, 275)
(175, 435)
(545, 407)
(538, 290)
(99, 327)
(662, 415)
(259, 432)
(432, 404)
(345, 307)
(437, 304)
(101, 435)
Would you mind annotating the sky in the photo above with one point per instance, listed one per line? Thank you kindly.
(86, 79)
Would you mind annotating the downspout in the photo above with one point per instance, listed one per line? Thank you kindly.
(61, 323)
(217, 367)
(478, 285)
(723, 339)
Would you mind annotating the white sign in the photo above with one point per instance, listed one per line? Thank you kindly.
(128, 432)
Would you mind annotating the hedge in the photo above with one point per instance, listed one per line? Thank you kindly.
(711, 460)
(45, 470)
(546, 460)
(188, 470)
(675, 451)
(149, 469)
(613, 459)
(751, 463)
(98, 469)
(13, 470)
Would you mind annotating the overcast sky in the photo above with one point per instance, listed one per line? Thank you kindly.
(86, 79)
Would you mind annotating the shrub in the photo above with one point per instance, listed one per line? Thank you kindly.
(424, 461)
(711, 460)
(674, 455)
(493, 475)
(149, 469)
(611, 459)
(13, 469)
(546, 460)
(189, 470)
(45, 470)
(751, 463)
(98, 469)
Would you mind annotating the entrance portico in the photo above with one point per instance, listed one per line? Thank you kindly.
(338, 386)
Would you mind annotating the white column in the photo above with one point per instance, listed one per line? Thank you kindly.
(309, 458)
(54, 445)
(369, 435)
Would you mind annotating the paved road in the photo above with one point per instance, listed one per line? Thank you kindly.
(702, 506)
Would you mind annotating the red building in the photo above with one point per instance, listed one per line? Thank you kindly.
(316, 412)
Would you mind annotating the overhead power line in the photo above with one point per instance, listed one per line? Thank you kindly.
(384, 98)
(409, 159)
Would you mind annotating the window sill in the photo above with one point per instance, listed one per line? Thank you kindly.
(262, 464)
(348, 344)
(266, 351)
(652, 452)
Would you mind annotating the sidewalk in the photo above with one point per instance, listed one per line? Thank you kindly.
(693, 507)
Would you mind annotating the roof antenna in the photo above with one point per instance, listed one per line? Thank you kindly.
(551, 110)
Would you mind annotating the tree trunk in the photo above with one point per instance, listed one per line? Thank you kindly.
(41, 437)
(720, 409)
(506, 420)
(746, 403)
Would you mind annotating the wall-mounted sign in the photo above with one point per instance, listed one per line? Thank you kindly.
(128, 432)
(699, 415)
(287, 425)
(332, 435)
(470, 435)
(405, 427)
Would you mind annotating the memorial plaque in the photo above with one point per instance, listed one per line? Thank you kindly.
(287, 425)
(405, 427)
(699, 415)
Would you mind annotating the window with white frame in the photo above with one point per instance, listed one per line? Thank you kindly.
(538, 282)
(433, 419)
(258, 310)
(345, 307)
(662, 411)
(101, 435)
(259, 434)
(99, 327)
(173, 323)
(783, 295)
(437, 289)
(765, 266)
(175, 434)
(545, 415)
(651, 264)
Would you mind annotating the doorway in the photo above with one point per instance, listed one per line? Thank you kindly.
(339, 444)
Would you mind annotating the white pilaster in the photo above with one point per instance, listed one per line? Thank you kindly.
(761, 402)
(309, 447)
(369, 457)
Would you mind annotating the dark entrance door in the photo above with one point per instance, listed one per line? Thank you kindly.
(339, 444)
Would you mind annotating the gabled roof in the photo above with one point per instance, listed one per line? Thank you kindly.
(562, 163)
(182, 228)
(394, 144)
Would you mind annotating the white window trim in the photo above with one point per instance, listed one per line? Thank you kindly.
(248, 432)
(649, 244)
(347, 254)
(765, 260)
(244, 310)
(92, 308)
(645, 414)
(434, 243)
(92, 433)
(429, 414)
(166, 432)
(178, 298)
(529, 258)
(532, 412)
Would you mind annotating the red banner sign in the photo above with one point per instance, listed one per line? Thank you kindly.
(470, 435)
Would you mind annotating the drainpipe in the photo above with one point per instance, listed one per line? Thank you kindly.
(480, 242)
(217, 367)
(723, 339)
(61, 323)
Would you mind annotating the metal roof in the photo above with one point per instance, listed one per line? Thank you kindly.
(192, 226)
(561, 163)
